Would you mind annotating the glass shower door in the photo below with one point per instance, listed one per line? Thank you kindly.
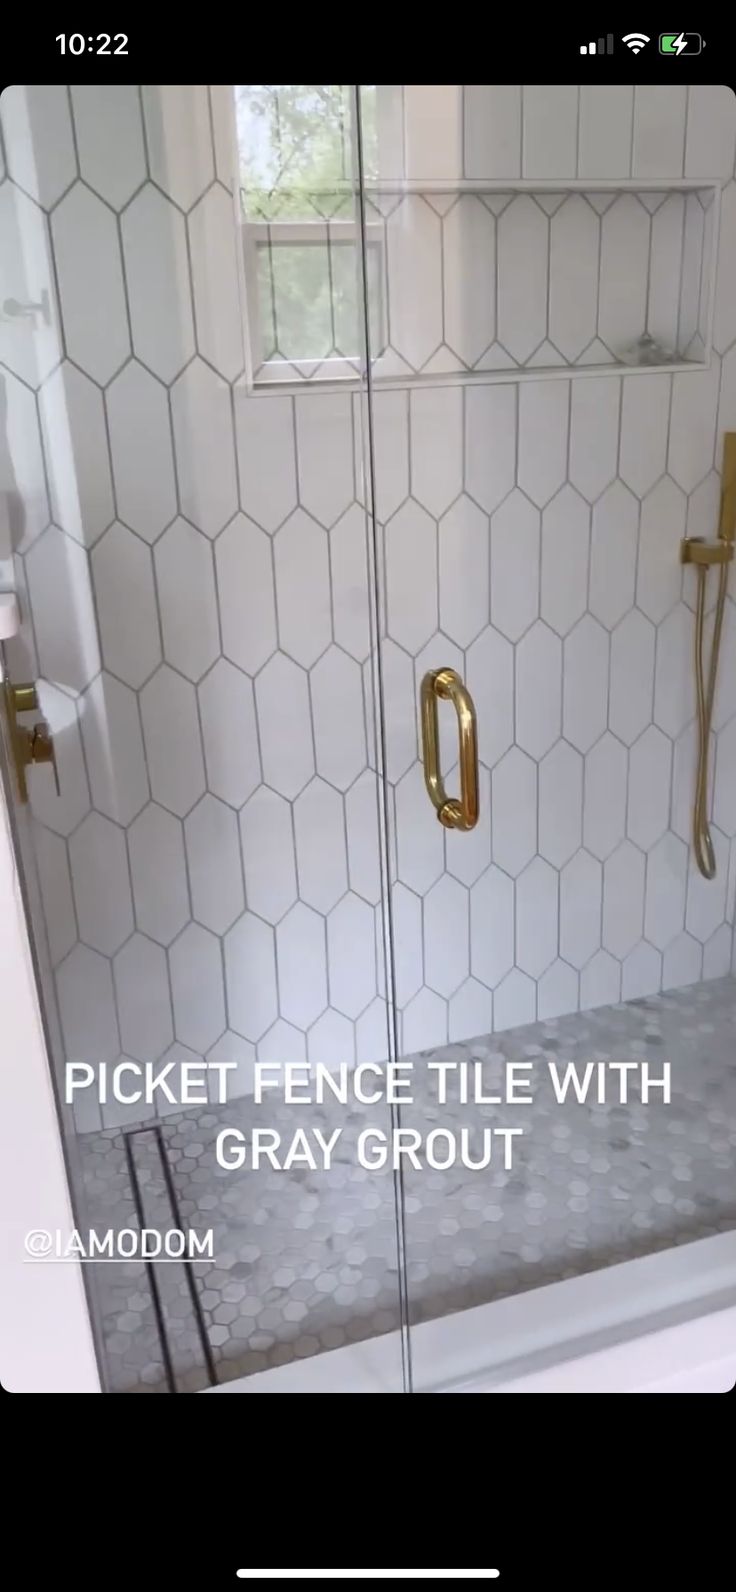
(188, 537)
(442, 456)
(535, 641)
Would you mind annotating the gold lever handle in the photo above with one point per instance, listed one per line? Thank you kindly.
(28, 746)
(25, 698)
(453, 812)
(43, 750)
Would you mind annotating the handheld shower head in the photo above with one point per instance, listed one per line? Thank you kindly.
(727, 525)
(702, 554)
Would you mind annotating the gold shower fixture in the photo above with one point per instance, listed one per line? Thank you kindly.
(702, 555)
(27, 746)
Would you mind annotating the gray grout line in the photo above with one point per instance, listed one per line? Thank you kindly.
(73, 128)
(648, 287)
(685, 127)
(578, 114)
(681, 272)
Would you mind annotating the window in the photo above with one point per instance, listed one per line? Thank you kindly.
(301, 235)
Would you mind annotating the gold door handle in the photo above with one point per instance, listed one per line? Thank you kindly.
(454, 812)
(28, 746)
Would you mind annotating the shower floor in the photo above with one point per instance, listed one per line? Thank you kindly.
(307, 1261)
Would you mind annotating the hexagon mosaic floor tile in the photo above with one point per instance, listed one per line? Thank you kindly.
(307, 1262)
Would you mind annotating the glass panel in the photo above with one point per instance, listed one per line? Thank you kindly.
(528, 552)
(301, 300)
(206, 890)
(296, 163)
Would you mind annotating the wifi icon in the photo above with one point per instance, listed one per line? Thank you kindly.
(635, 41)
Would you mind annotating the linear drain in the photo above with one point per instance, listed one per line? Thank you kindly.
(177, 1307)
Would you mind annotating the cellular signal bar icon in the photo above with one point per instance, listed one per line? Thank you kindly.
(603, 47)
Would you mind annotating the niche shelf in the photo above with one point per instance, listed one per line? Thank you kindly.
(528, 279)
(504, 281)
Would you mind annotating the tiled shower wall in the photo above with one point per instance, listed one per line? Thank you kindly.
(601, 269)
(191, 563)
(465, 274)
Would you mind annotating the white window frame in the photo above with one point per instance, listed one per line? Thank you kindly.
(277, 372)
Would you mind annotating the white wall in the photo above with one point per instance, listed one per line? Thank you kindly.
(45, 1339)
(192, 564)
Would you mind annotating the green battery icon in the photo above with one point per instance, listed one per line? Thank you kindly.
(680, 43)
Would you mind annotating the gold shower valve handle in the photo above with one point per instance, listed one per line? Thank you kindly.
(454, 812)
(25, 698)
(42, 749)
(28, 745)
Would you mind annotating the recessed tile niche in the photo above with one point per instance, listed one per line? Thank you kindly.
(483, 281)
(494, 282)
